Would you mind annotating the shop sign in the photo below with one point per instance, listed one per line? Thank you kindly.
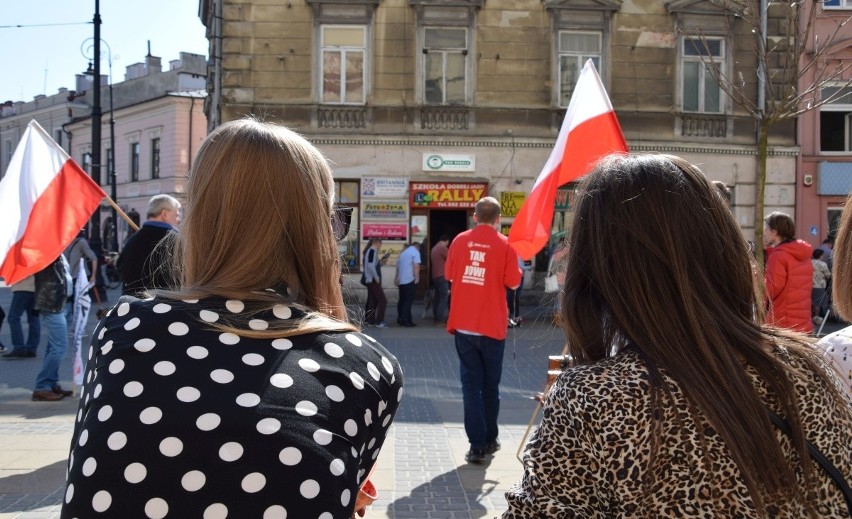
(384, 211)
(565, 197)
(446, 195)
(384, 231)
(384, 187)
(511, 202)
(505, 228)
(443, 162)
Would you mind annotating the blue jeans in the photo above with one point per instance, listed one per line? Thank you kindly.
(57, 343)
(22, 301)
(442, 295)
(481, 366)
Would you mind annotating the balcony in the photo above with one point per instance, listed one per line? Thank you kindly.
(445, 118)
(342, 117)
(703, 126)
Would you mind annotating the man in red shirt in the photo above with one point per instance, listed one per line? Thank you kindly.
(481, 266)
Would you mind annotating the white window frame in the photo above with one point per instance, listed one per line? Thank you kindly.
(444, 52)
(343, 50)
(579, 56)
(721, 61)
(841, 4)
(847, 124)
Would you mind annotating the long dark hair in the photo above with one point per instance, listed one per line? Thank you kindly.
(657, 262)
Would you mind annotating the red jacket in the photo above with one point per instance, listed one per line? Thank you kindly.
(789, 279)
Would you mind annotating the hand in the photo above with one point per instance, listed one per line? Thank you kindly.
(366, 495)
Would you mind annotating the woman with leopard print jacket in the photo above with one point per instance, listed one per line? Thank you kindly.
(666, 410)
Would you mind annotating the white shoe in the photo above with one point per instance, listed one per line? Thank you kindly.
(818, 320)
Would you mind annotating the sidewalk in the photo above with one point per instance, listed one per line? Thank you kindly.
(421, 472)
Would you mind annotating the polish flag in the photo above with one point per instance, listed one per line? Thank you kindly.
(589, 132)
(45, 199)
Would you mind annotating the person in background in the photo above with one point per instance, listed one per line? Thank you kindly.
(52, 286)
(789, 275)
(437, 260)
(837, 346)
(513, 297)
(407, 279)
(827, 247)
(143, 263)
(374, 311)
(821, 276)
(665, 411)
(2, 317)
(244, 391)
(74, 252)
(23, 301)
(481, 266)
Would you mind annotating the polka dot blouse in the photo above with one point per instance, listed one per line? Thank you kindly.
(179, 419)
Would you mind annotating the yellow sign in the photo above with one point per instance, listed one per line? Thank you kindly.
(511, 202)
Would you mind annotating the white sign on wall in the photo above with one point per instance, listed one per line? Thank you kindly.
(384, 187)
(445, 162)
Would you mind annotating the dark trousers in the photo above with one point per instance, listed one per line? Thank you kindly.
(406, 299)
(374, 313)
(441, 298)
(480, 367)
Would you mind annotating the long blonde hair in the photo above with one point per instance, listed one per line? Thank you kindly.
(259, 216)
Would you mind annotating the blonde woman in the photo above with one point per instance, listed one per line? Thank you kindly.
(242, 392)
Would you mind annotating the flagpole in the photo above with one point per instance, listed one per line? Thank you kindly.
(121, 212)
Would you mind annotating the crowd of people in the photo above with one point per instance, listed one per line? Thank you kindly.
(228, 380)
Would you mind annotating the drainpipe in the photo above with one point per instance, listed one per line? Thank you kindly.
(191, 105)
(761, 64)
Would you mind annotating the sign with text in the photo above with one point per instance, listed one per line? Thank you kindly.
(384, 231)
(511, 202)
(384, 211)
(446, 162)
(565, 197)
(383, 187)
(447, 195)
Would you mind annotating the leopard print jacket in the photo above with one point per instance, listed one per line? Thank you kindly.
(590, 455)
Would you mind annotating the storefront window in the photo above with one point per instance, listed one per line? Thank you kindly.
(346, 195)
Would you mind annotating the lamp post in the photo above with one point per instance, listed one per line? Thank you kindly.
(95, 234)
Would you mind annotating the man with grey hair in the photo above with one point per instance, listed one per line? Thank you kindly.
(143, 264)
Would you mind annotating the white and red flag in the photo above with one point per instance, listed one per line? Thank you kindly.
(589, 132)
(45, 198)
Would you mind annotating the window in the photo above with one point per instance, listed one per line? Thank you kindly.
(155, 158)
(343, 55)
(134, 161)
(444, 64)
(575, 48)
(57, 136)
(87, 162)
(110, 164)
(835, 119)
(701, 92)
(837, 4)
(346, 194)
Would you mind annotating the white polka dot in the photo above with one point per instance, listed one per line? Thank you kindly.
(145, 345)
(253, 359)
(350, 427)
(357, 380)
(275, 512)
(282, 311)
(268, 426)
(178, 328)
(387, 420)
(309, 489)
(231, 451)
(106, 348)
(281, 380)
(309, 365)
(101, 501)
(216, 511)
(353, 339)
(122, 310)
(208, 316)
(97, 392)
(156, 508)
(333, 350)
(208, 421)
(306, 408)
(373, 371)
(188, 394)
(150, 415)
(258, 324)
(222, 376)
(248, 400)
(322, 437)
(387, 365)
(290, 456)
(197, 352)
(193, 480)
(282, 344)
(100, 336)
(84, 437)
(399, 395)
(253, 482)
(345, 496)
(164, 368)
(135, 473)
(117, 440)
(334, 393)
(69, 494)
(116, 366)
(171, 446)
(89, 467)
(368, 417)
(191, 301)
(104, 413)
(131, 324)
(229, 338)
(372, 443)
(337, 467)
(234, 306)
(161, 308)
(325, 515)
(381, 408)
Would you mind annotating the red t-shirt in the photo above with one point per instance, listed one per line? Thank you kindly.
(481, 266)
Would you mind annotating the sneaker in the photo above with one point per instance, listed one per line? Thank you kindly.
(493, 447)
(512, 324)
(381, 325)
(475, 456)
(818, 320)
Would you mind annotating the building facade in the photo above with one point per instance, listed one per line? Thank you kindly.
(423, 106)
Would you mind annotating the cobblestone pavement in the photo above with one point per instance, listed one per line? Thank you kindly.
(421, 472)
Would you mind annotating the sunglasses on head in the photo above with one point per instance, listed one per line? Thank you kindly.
(341, 219)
